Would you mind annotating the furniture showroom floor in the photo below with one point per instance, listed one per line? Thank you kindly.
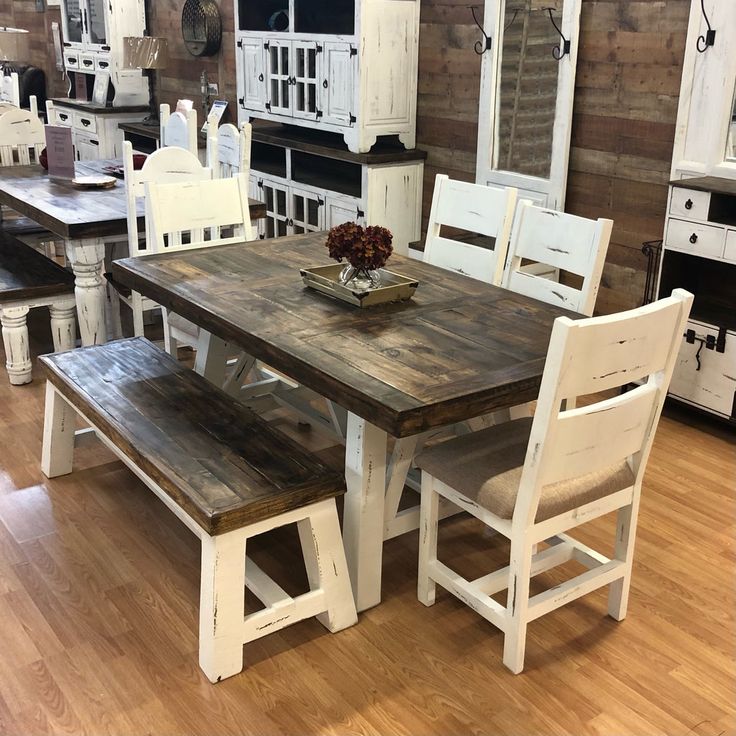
(99, 588)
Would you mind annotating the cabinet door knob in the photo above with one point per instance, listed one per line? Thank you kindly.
(689, 204)
(693, 238)
(260, 77)
(325, 84)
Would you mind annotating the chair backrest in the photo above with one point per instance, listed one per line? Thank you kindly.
(194, 214)
(474, 208)
(178, 129)
(589, 356)
(228, 149)
(21, 133)
(10, 89)
(566, 242)
(166, 165)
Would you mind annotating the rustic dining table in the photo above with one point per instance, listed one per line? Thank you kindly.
(87, 220)
(458, 349)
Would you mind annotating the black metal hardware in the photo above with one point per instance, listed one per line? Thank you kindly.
(360, 213)
(721, 340)
(693, 238)
(320, 202)
(241, 102)
(268, 106)
(353, 50)
(87, 62)
(103, 64)
(105, 48)
(353, 118)
(325, 84)
(260, 77)
(486, 42)
(318, 114)
(240, 43)
(71, 59)
(689, 335)
(66, 44)
(709, 39)
(652, 249)
(559, 51)
(689, 204)
(267, 45)
(94, 143)
(85, 26)
(710, 342)
(85, 122)
(260, 184)
(319, 49)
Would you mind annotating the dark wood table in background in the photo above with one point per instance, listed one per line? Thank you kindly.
(87, 221)
(459, 349)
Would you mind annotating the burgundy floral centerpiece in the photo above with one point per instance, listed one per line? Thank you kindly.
(365, 249)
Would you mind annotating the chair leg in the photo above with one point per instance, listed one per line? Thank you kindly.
(618, 593)
(222, 605)
(63, 326)
(514, 643)
(324, 559)
(57, 453)
(136, 305)
(15, 340)
(428, 527)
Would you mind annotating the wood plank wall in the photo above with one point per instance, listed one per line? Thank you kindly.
(626, 96)
(23, 14)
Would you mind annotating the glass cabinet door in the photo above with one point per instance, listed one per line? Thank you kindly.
(305, 78)
(307, 211)
(72, 21)
(95, 22)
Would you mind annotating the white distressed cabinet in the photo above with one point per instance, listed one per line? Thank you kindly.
(309, 186)
(347, 66)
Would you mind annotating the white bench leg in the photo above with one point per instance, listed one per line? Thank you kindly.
(15, 339)
(324, 559)
(211, 356)
(222, 605)
(63, 326)
(58, 435)
(428, 527)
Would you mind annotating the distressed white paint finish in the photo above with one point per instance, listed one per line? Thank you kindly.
(548, 192)
(225, 571)
(228, 149)
(473, 208)
(365, 475)
(10, 89)
(21, 132)
(15, 341)
(62, 315)
(86, 257)
(566, 443)
(560, 241)
(366, 82)
(706, 96)
(178, 129)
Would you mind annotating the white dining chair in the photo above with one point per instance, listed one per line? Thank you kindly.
(197, 214)
(22, 137)
(533, 480)
(228, 149)
(178, 129)
(166, 165)
(472, 208)
(572, 244)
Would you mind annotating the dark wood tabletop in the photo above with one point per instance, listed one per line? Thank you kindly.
(75, 213)
(460, 348)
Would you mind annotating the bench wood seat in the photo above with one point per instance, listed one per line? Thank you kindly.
(222, 470)
(28, 280)
(224, 465)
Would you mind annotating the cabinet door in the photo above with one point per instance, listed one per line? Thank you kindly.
(278, 55)
(338, 83)
(343, 209)
(276, 196)
(307, 211)
(86, 148)
(305, 79)
(95, 23)
(71, 19)
(253, 74)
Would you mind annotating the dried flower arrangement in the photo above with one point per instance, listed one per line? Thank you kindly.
(365, 249)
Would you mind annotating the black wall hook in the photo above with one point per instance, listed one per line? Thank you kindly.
(483, 45)
(564, 48)
(709, 39)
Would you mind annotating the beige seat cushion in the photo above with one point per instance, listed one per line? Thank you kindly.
(486, 467)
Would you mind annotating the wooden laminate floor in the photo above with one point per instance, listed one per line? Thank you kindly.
(98, 616)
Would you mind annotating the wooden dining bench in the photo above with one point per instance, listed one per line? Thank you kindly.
(222, 470)
(28, 280)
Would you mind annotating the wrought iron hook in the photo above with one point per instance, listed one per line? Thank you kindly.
(709, 39)
(481, 46)
(563, 49)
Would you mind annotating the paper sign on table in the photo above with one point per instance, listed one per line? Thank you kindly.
(60, 152)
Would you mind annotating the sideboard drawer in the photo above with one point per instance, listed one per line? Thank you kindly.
(730, 252)
(87, 62)
(689, 203)
(691, 237)
(87, 123)
(71, 60)
(64, 117)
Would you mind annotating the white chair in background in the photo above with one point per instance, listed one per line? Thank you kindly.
(166, 165)
(22, 138)
(472, 208)
(228, 149)
(178, 129)
(197, 214)
(532, 480)
(566, 242)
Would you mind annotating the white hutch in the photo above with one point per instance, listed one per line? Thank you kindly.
(93, 32)
(699, 244)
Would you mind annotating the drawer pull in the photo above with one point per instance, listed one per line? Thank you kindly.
(71, 59)
(62, 116)
(85, 122)
(693, 238)
(104, 65)
(87, 62)
(260, 77)
(689, 204)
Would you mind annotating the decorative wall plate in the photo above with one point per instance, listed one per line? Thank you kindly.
(201, 27)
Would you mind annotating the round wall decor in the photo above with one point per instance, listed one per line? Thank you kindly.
(201, 27)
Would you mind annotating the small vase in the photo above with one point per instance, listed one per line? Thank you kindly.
(360, 279)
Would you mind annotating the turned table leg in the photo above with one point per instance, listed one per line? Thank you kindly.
(15, 339)
(86, 258)
(63, 326)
